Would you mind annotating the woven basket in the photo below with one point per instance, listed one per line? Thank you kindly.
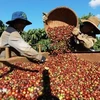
(61, 16)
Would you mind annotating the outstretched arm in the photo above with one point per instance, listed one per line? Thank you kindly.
(87, 41)
(16, 41)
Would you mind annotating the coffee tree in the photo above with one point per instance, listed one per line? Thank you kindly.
(36, 37)
(97, 44)
(2, 27)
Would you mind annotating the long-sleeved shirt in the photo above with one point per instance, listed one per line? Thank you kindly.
(13, 38)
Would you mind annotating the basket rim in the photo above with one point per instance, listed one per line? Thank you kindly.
(61, 7)
(51, 23)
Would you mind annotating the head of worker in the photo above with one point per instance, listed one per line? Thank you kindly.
(90, 26)
(18, 21)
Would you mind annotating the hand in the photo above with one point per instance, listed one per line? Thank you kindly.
(75, 31)
(46, 59)
(88, 41)
(45, 17)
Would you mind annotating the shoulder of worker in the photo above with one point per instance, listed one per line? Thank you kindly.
(10, 29)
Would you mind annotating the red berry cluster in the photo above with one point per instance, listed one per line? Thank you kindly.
(60, 33)
(60, 38)
(71, 78)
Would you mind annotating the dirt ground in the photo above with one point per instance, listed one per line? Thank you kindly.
(92, 57)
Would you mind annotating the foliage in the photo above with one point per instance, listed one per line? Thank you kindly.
(36, 37)
(85, 17)
(2, 27)
(97, 44)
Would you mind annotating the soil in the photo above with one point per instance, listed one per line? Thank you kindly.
(92, 57)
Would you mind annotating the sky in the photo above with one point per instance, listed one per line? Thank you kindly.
(35, 8)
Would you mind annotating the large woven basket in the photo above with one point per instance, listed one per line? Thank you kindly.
(61, 16)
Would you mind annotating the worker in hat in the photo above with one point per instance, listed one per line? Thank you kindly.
(11, 36)
(86, 34)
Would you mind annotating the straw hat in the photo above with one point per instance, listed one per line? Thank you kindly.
(94, 21)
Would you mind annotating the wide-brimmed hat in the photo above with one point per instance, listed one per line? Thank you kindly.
(94, 21)
(19, 15)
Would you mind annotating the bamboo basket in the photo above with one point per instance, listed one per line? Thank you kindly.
(61, 16)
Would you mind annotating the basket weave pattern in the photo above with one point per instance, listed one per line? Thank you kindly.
(61, 16)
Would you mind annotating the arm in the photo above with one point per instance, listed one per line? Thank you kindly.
(87, 41)
(16, 41)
